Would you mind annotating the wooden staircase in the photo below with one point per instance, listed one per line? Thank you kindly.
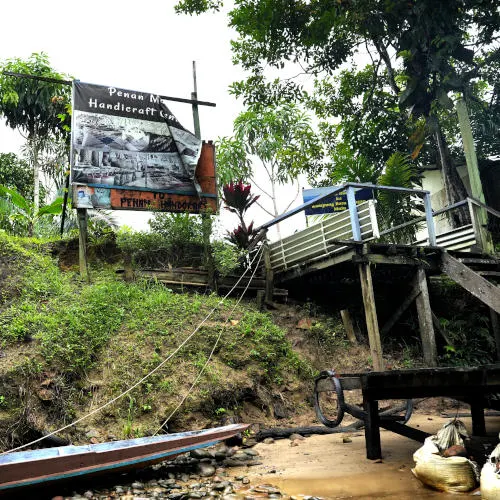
(471, 273)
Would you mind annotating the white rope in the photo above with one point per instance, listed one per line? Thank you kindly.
(212, 352)
(131, 388)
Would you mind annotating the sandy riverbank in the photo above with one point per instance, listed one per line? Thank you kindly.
(328, 467)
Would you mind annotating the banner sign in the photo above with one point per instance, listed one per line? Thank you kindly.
(129, 140)
(334, 203)
(86, 196)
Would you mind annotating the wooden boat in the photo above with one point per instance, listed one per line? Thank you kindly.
(30, 468)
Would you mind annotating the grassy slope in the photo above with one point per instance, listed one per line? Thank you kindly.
(68, 346)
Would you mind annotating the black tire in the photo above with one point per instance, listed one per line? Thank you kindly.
(339, 394)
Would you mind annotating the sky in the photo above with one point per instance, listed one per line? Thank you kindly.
(142, 46)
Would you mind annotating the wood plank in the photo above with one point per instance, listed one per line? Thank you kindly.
(371, 316)
(471, 281)
(425, 319)
(404, 430)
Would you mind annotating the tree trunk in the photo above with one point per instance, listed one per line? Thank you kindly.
(36, 175)
(453, 185)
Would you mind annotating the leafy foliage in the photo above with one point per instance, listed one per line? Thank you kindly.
(276, 141)
(20, 215)
(16, 173)
(39, 109)
(238, 200)
(397, 208)
(422, 54)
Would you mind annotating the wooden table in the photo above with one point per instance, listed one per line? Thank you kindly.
(472, 385)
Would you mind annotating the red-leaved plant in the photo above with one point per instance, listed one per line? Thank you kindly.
(238, 200)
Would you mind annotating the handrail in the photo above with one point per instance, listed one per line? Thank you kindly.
(338, 189)
(490, 210)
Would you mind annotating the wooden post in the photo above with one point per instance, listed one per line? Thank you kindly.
(474, 177)
(269, 274)
(372, 429)
(431, 230)
(127, 264)
(82, 253)
(349, 327)
(194, 97)
(371, 316)
(495, 326)
(477, 414)
(425, 320)
(353, 213)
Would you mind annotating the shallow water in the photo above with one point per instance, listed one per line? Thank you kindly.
(363, 486)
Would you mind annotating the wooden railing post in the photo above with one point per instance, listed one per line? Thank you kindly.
(431, 230)
(353, 212)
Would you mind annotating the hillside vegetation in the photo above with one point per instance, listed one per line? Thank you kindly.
(67, 347)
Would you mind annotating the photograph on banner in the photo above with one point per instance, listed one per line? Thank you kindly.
(129, 140)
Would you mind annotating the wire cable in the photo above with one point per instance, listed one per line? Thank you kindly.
(212, 352)
(154, 370)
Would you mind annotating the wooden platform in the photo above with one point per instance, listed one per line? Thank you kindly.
(474, 386)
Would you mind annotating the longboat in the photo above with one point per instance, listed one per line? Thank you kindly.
(49, 465)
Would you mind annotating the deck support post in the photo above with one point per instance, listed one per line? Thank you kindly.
(371, 316)
(477, 414)
(495, 327)
(348, 326)
(372, 429)
(425, 320)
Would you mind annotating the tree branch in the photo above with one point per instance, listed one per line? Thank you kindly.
(382, 50)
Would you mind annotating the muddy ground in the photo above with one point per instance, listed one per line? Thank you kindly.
(328, 467)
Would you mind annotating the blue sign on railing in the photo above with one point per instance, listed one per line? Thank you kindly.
(335, 203)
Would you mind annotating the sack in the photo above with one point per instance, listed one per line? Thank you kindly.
(453, 474)
(490, 476)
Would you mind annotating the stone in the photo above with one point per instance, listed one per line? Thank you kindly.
(59, 497)
(294, 443)
(253, 462)
(200, 453)
(304, 324)
(220, 455)
(268, 441)
(206, 470)
(230, 462)
(92, 433)
(346, 439)
(252, 453)
(137, 485)
(88, 494)
(296, 437)
(245, 480)
(196, 494)
(247, 442)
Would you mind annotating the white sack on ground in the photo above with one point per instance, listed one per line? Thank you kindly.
(490, 476)
(453, 474)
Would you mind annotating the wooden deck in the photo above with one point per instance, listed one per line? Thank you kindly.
(352, 248)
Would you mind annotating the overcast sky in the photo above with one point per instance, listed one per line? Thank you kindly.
(141, 45)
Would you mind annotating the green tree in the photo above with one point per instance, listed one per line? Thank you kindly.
(277, 140)
(16, 173)
(20, 216)
(437, 48)
(38, 109)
